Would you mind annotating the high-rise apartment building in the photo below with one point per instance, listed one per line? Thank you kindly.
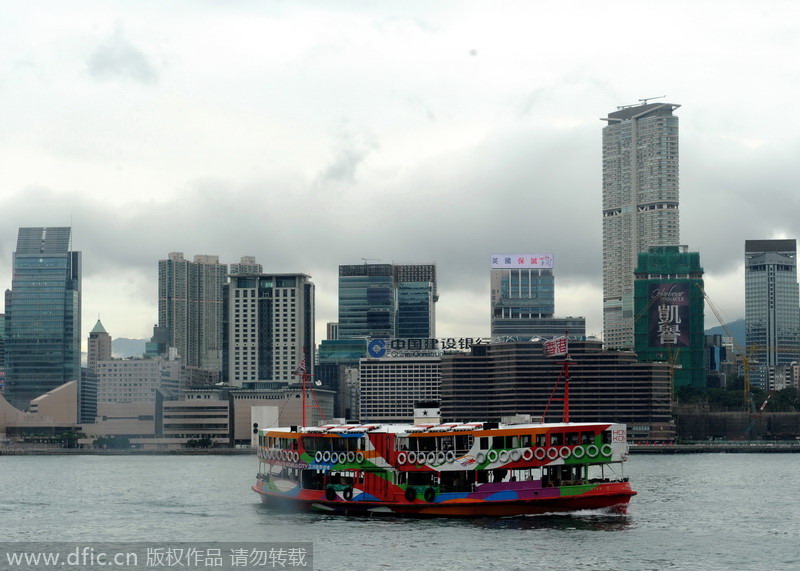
(43, 315)
(640, 204)
(269, 320)
(771, 307)
(523, 299)
(247, 265)
(387, 301)
(190, 307)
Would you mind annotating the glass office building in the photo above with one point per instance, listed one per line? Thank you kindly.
(772, 317)
(43, 315)
(523, 299)
(387, 301)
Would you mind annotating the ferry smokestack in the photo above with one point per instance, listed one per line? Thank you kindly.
(427, 412)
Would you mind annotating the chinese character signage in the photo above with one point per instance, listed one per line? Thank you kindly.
(556, 347)
(518, 261)
(378, 348)
(668, 314)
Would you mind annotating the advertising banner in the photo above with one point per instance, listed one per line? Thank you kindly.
(535, 261)
(668, 314)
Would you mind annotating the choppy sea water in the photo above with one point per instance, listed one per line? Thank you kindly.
(709, 511)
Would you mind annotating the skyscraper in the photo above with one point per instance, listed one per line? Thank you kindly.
(43, 315)
(387, 301)
(270, 327)
(772, 317)
(523, 299)
(640, 204)
(190, 307)
(98, 346)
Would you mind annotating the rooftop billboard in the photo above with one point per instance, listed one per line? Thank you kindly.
(518, 261)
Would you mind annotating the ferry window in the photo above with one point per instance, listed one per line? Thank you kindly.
(606, 437)
(556, 439)
(587, 437)
(463, 442)
(541, 440)
(515, 442)
(525, 440)
(427, 444)
(484, 442)
(572, 438)
(401, 443)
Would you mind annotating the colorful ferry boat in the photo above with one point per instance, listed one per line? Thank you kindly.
(445, 469)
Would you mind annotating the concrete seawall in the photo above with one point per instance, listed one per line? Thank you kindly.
(23, 451)
(722, 447)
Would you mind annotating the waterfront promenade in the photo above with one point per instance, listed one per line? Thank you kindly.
(728, 447)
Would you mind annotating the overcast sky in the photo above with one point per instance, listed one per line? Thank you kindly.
(310, 135)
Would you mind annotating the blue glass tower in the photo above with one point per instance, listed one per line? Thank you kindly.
(43, 315)
(387, 301)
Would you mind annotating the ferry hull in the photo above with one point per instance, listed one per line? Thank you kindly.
(614, 498)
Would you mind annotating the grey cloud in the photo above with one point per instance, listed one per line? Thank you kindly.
(117, 58)
(352, 150)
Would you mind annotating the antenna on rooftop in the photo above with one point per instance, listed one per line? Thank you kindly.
(646, 99)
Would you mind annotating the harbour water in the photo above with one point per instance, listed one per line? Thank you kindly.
(698, 511)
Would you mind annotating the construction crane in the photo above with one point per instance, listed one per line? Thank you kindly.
(755, 413)
(746, 362)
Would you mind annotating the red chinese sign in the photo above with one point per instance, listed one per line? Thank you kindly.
(556, 347)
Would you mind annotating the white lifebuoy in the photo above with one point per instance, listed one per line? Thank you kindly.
(480, 457)
(450, 456)
(503, 456)
(564, 452)
(552, 453)
(431, 457)
(402, 458)
(578, 452)
(527, 455)
(318, 457)
(606, 450)
(592, 451)
(491, 456)
(539, 453)
(360, 457)
(440, 457)
(351, 457)
(515, 455)
(326, 456)
(296, 457)
(412, 457)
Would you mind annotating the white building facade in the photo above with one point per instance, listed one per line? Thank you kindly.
(640, 204)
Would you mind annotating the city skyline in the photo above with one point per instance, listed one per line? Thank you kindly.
(424, 133)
